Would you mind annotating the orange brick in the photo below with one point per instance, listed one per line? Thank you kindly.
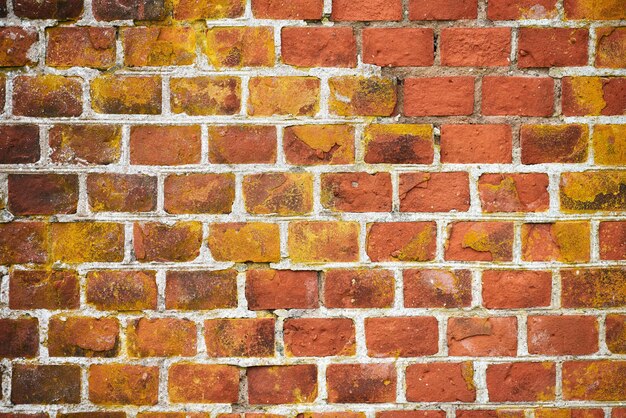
(199, 193)
(161, 242)
(295, 96)
(398, 144)
(85, 144)
(361, 383)
(318, 46)
(43, 289)
(123, 384)
(311, 242)
(401, 241)
(158, 46)
(122, 192)
(554, 143)
(76, 336)
(434, 192)
(47, 96)
(122, 290)
(203, 96)
(559, 241)
(245, 242)
(440, 382)
(79, 242)
(319, 144)
(562, 335)
(201, 290)
(521, 382)
(367, 10)
(247, 337)
(208, 9)
(42, 194)
(187, 383)
(81, 47)
(525, 192)
(319, 337)
(281, 289)
(522, 96)
(480, 241)
(15, 44)
(611, 47)
(552, 47)
(443, 9)
(239, 46)
(285, 194)
(356, 192)
(288, 9)
(118, 94)
(23, 242)
(165, 145)
(275, 385)
(594, 380)
(359, 288)
(401, 336)
(593, 96)
(362, 96)
(475, 47)
(161, 337)
(242, 144)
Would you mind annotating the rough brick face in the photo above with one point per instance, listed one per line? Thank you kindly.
(312, 208)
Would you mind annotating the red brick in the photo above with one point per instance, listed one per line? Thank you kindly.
(284, 194)
(80, 242)
(281, 289)
(240, 46)
(613, 240)
(47, 96)
(362, 96)
(346, 10)
(552, 47)
(155, 46)
(15, 46)
(521, 96)
(288, 96)
(242, 144)
(323, 241)
(319, 337)
(165, 145)
(115, 384)
(19, 144)
(359, 289)
(443, 9)
(85, 144)
(122, 290)
(569, 413)
(398, 144)
(592, 10)
(125, 95)
(81, 47)
(521, 382)
(611, 47)
(470, 144)
(199, 193)
(245, 242)
(562, 335)
(398, 47)
(247, 337)
(521, 9)
(205, 96)
(492, 413)
(276, 385)
(524, 289)
(43, 289)
(193, 10)
(480, 241)
(45, 384)
(23, 242)
(593, 96)
(440, 382)
(524, 192)
(108, 10)
(42, 194)
(593, 288)
(401, 336)
(554, 143)
(475, 47)
(201, 290)
(437, 288)
(494, 336)
(401, 241)
(356, 192)
(410, 414)
(616, 333)
(594, 380)
(319, 144)
(439, 96)
(567, 242)
(161, 242)
(78, 336)
(288, 9)
(161, 337)
(48, 9)
(434, 192)
(187, 383)
(19, 337)
(109, 192)
(318, 46)
(361, 383)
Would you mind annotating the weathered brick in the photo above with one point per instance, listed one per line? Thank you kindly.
(609, 144)
(284, 194)
(398, 144)
(122, 290)
(525, 289)
(165, 145)
(201, 290)
(401, 336)
(81, 47)
(85, 144)
(19, 144)
(611, 47)
(475, 47)
(319, 337)
(123, 384)
(110, 192)
(361, 383)
(19, 337)
(593, 288)
(593, 96)
(592, 191)
(356, 192)
(246, 337)
(118, 94)
(349, 10)
(480, 241)
(613, 240)
(203, 96)
(439, 96)
(522, 96)
(440, 382)
(552, 47)
(319, 144)
(594, 380)
(569, 413)
(281, 289)
(524, 192)
(199, 193)
(48, 9)
(42, 194)
(242, 144)
(434, 192)
(476, 337)
(399, 47)
(282, 384)
(564, 241)
(47, 96)
(161, 337)
(45, 384)
(245, 242)
(295, 96)
(78, 336)
(437, 288)
(208, 9)
(16, 46)
(359, 289)
(80, 242)
(162, 242)
(323, 241)
(23, 242)
(240, 46)
(443, 9)
(288, 9)
(108, 10)
(521, 9)
(562, 335)
(155, 46)
(43, 289)
(362, 96)
(521, 382)
(616, 333)
(471, 144)
(401, 241)
(554, 143)
(318, 46)
(594, 10)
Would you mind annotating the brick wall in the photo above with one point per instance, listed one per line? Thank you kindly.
(313, 208)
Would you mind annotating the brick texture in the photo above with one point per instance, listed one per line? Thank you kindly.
(312, 208)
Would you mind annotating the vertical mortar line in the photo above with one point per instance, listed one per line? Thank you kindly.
(283, 228)
(436, 145)
(522, 334)
(279, 338)
(442, 226)
(514, 47)
(473, 175)
(163, 383)
(280, 151)
(603, 348)
(160, 207)
(477, 288)
(161, 283)
(317, 194)
(591, 157)
(359, 143)
(83, 208)
(517, 241)
(594, 226)
(44, 144)
(239, 207)
(478, 95)
(328, 7)
(553, 190)
(559, 380)
(8, 94)
(480, 381)
(442, 327)
(363, 257)
(592, 50)
(119, 47)
(395, 191)
(205, 255)
(200, 342)
(204, 144)
(125, 145)
(324, 98)
(399, 288)
(245, 94)
(401, 381)
(556, 290)
(128, 243)
(361, 343)
(165, 95)
(516, 129)
(84, 387)
(242, 302)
